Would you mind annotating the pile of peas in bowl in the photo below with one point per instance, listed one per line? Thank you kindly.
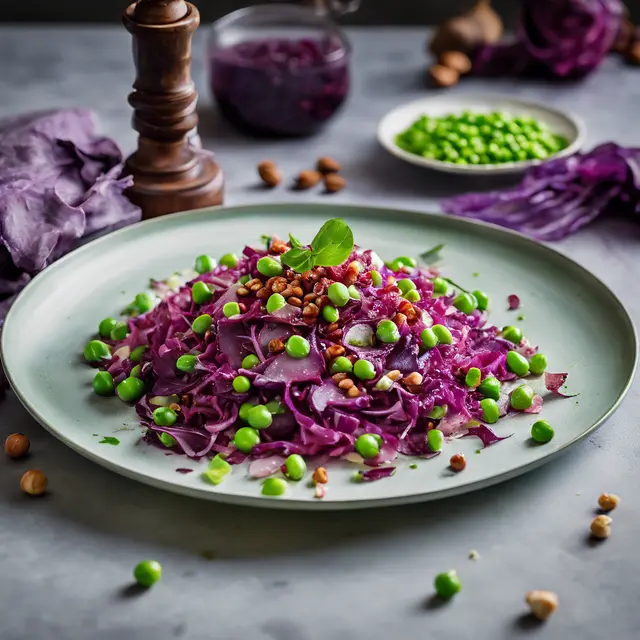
(480, 138)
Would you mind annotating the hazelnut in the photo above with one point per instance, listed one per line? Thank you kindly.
(601, 527)
(308, 179)
(354, 392)
(328, 165)
(320, 476)
(413, 379)
(633, 53)
(442, 76)
(276, 346)
(457, 462)
(346, 384)
(34, 482)
(542, 603)
(269, 173)
(455, 60)
(334, 183)
(608, 501)
(16, 445)
(394, 375)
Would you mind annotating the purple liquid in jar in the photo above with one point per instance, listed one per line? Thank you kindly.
(278, 86)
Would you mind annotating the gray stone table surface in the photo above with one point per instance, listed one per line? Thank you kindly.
(66, 560)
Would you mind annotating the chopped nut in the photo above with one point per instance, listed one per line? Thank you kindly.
(351, 274)
(320, 476)
(322, 301)
(601, 527)
(542, 603)
(339, 377)
(296, 302)
(263, 294)
(186, 400)
(297, 292)
(442, 76)
(174, 407)
(34, 482)
(391, 280)
(278, 246)
(457, 462)
(276, 346)
(394, 375)
(308, 179)
(320, 288)
(310, 320)
(310, 297)
(320, 491)
(335, 336)
(354, 392)
(310, 311)
(328, 165)
(413, 379)
(17, 445)
(455, 60)
(346, 384)
(256, 287)
(243, 291)
(608, 501)
(334, 183)
(332, 327)
(399, 319)
(269, 173)
(334, 351)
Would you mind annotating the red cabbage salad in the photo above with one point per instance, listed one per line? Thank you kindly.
(292, 354)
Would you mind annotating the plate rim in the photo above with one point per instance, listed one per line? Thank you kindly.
(480, 170)
(338, 504)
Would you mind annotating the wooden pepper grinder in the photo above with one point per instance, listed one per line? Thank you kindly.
(171, 172)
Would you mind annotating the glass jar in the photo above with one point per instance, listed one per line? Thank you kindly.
(278, 69)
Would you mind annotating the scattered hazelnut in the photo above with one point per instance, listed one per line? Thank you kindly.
(334, 183)
(542, 603)
(633, 53)
(328, 165)
(308, 179)
(608, 501)
(16, 445)
(34, 482)
(269, 173)
(320, 476)
(455, 60)
(442, 76)
(458, 462)
(601, 527)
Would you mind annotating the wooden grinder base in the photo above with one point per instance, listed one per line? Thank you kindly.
(170, 171)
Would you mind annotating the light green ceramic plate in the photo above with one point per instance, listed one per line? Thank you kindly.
(565, 309)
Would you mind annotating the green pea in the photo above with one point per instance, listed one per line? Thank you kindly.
(164, 417)
(275, 302)
(97, 350)
(241, 384)
(201, 324)
(120, 331)
(387, 332)
(522, 397)
(136, 371)
(147, 573)
(367, 446)
(490, 410)
(167, 439)
(438, 412)
(542, 431)
(482, 299)
(259, 417)
(275, 407)
(447, 584)
(538, 364)
(376, 279)
(231, 309)
(269, 267)
(205, 263)
(435, 439)
(364, 370)
(245, 439)
(429, 338)
(440, 285)
(229, 260)
(274, 487)
(130, 389)
(144, 302)
(105, 326)
(473, 377)
(295, 467)
(490, 388)
(103, 384)
(330, 314)
(201, 293)
(186, 363)
(297, 347)
(244, 279)
(341, 365)
(406, 261)
(250, 361)
(466, 303)
(243, 412)
(405, 285)
(136, 354)
(442, 333)
(384, 383)
(412, 296)
(378, 439)
(338, 294)
(512, 334)
(517, 363)
(354, 294)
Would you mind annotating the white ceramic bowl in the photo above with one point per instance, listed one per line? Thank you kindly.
(402, 117)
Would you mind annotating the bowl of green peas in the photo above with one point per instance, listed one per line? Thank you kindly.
(479, 134)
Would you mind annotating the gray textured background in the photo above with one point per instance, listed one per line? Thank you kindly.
(408, 12)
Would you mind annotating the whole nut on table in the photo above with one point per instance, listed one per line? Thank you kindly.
(334, 183)
(456, 60)
(442, 76)
(269, 173)
(328, 165)
(308, 179)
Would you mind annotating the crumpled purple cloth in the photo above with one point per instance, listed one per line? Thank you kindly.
(59, 181)
(558, 197)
